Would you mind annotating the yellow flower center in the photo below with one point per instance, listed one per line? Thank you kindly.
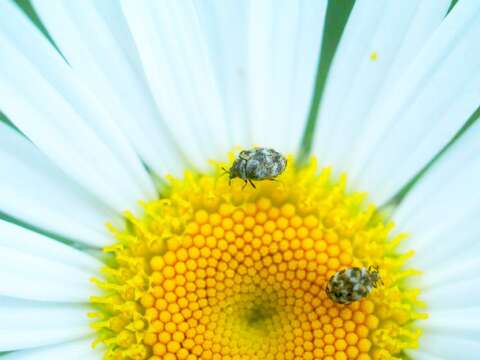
(213, 271)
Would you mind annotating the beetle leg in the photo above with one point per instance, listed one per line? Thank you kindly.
(327, 290)
(245, 169)
(251, 183)
(244, 184)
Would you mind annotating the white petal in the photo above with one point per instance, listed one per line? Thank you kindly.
(259, 65)
(265, 56)
(35, 277)
(48, 103)
(449, 347)
(463, 323)
(74, 350)
(394, 31)
(226, 23)
(95, 40)
(441, 211)
(173, 49)
(352, 61)
(307, 54)
(27, 324)
(420, 355)
(29, 171)
(440, 275)
(460, 294)
(424, 109)
(284, 40)
(31, 243)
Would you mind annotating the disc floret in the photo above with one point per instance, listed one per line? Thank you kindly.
(213, 271)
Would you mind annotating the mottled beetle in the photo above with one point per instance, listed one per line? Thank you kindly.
(352, 284)
(257, 164)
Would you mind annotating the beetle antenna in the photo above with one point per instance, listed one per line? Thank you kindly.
(225, 171)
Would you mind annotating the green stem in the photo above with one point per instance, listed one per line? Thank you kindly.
(337, 15)
(403, 192)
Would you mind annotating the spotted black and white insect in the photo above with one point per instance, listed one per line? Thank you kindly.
(257, 164)
(352, 284)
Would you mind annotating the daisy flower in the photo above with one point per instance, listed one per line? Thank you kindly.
(121, 238)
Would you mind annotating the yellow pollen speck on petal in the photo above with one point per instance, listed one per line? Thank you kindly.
(218, 271)
(374, 56)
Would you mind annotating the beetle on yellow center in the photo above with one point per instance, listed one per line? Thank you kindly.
(258, 164)
(352, 284)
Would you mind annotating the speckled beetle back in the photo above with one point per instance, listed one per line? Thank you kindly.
(258, 164)
(352, 284)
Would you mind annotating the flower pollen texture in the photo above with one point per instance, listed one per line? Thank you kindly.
(213, 271)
